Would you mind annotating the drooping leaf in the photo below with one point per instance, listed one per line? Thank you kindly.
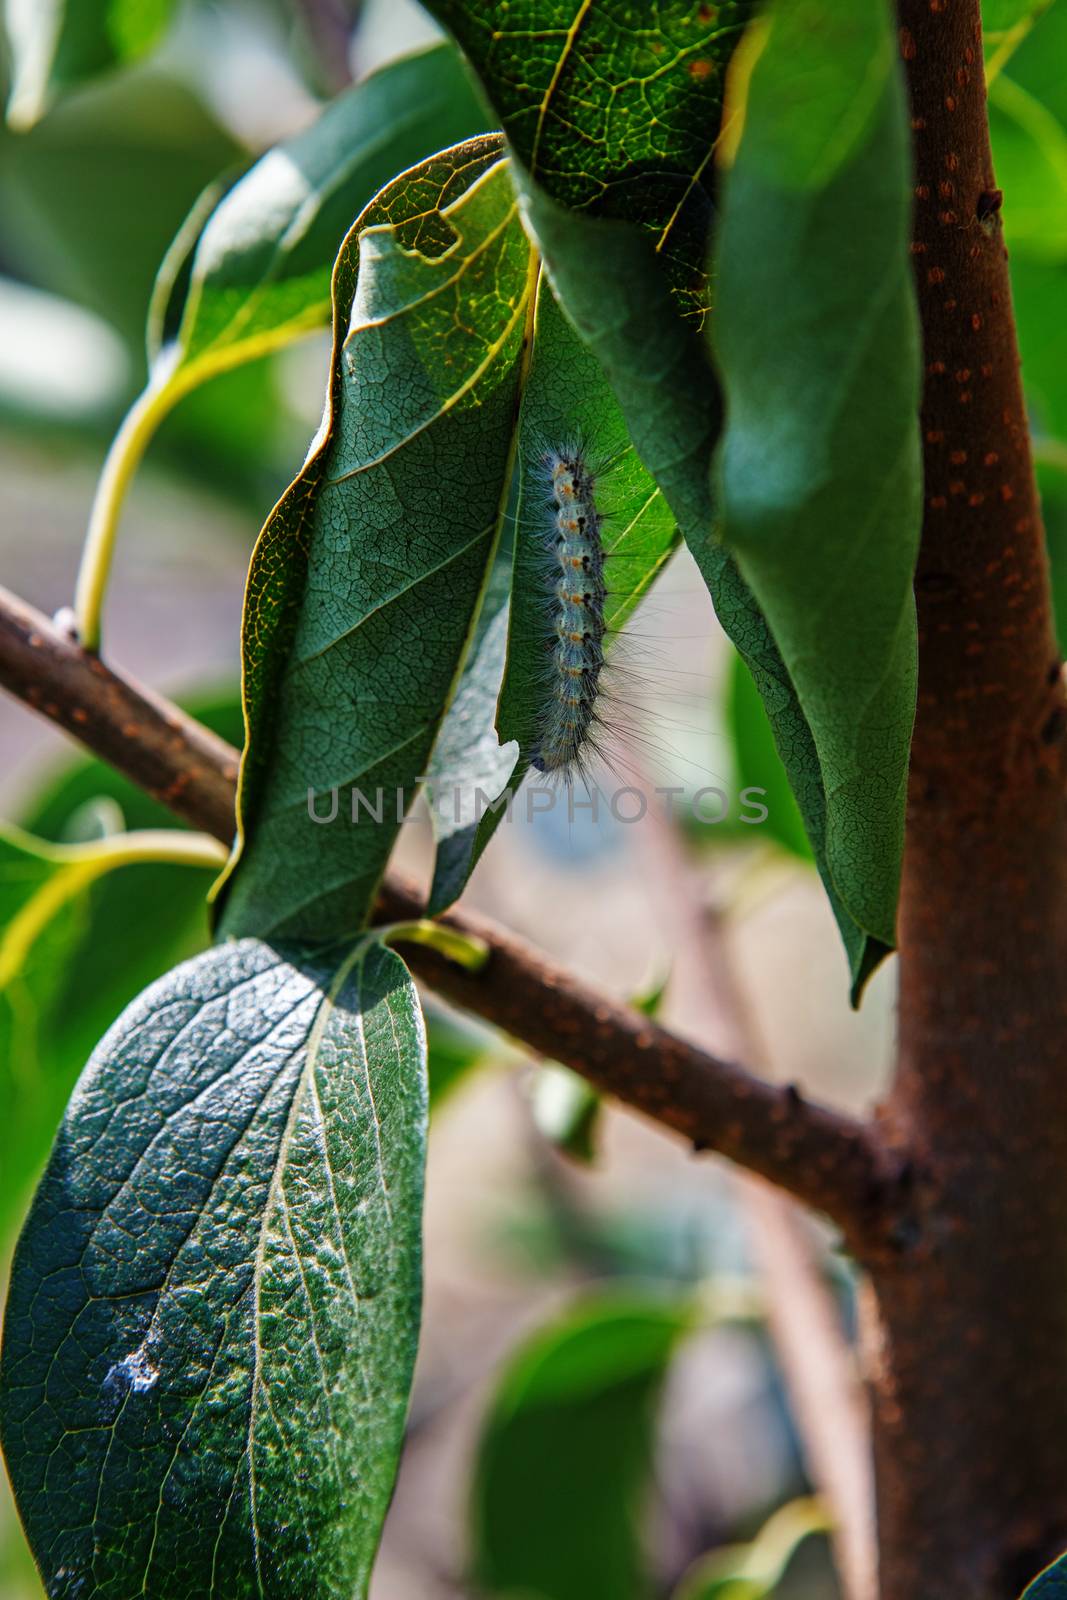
(1050, 1584)
(609, 118)
(58, 44)
(819, 470)
(590, 93)
(214, 1305)
(754, 1571)
(565, 1457)
(366, 582)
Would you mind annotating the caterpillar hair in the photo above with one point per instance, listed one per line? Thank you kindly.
(575, 576)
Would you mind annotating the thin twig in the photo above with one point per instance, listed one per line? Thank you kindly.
(831, 1161)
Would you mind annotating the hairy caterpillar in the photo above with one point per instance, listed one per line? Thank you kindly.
(576, 575)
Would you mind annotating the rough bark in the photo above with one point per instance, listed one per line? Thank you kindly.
(967, 1334)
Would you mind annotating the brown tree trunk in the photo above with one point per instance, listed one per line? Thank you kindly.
(967, 1329)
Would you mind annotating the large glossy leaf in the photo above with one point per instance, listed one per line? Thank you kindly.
(565, 1458)
(591, 92)
(214, 1305)
(1050, 1584)
(57, 44)
(610, 118)
(366, 582)
(819, 471)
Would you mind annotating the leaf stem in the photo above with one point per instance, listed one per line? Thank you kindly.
(466, 950)
(122, 460)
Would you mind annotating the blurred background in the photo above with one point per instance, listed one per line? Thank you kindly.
(548, 1216)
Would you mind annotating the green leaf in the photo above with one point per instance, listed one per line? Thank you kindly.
(754, 1571)
(565, 1457)
(470, 768)
(214, 1305)
(565, 396)
(759, 765)
(1031, 152)
(71, 187)
(250, 269)
(1050, 1584)
(635, 289)
(819, 468)
(456, 1047)
(611, 119)
(1005, 24)
(366, 583)
(66, 969)
(260, 271)
(58, 44)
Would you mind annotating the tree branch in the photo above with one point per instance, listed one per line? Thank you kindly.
(830, 1161)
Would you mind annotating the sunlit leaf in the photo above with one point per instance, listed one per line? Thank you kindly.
(367, 580)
